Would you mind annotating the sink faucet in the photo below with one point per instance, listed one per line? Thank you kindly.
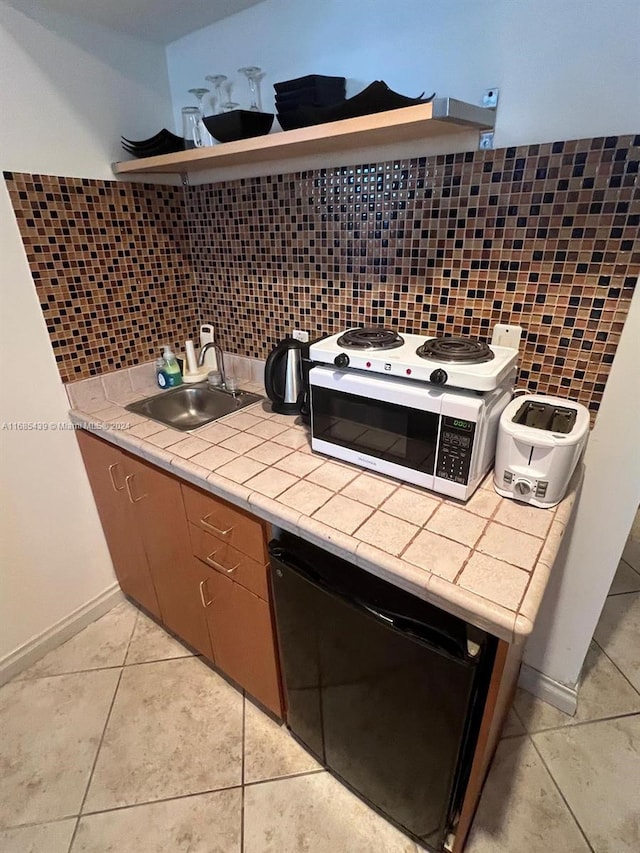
(219, 360)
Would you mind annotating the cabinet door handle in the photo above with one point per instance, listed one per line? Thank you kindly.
(112, 478)
(203, 599)
(217, 530)
(219, 566)
(127, 482)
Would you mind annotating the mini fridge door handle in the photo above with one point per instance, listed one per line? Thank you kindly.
(442, 642)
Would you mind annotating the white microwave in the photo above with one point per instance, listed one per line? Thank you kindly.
(440, 439)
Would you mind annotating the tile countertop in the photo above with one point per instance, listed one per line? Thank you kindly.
(487, 560)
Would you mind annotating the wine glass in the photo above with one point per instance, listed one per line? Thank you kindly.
(216, 81)
(228, 104)
(192, 127)
(199, 93)
(253, 75)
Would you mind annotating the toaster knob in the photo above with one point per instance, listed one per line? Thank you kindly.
(439, 376)
(341, 360)
(522, 487)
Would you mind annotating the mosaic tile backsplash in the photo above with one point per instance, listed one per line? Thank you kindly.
(543, 236)
(111, 266)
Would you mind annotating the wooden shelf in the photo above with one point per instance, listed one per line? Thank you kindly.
(441, 116)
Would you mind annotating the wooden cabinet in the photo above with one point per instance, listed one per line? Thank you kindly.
(233, 543)
(107, 469)
(197, 563)
(243, 639)
(145, 526)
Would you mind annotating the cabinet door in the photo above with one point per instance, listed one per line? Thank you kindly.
(107, 469)
(243, 640)
(177, 577)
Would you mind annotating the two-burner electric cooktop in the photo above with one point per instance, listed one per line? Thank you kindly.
(453, 361)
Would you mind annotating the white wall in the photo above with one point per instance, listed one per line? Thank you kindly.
(609, 500)
(68, 91)
(565, 69)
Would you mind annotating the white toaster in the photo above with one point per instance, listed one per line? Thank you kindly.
(540, 441)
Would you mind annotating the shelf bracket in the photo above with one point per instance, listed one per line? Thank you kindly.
(185, 178)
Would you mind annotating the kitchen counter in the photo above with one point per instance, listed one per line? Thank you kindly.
(487, 560)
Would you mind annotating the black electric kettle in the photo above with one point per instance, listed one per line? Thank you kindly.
(285, 377)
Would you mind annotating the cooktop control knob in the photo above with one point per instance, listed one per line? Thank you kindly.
(439, 376)
(341, 360)
(522, 487)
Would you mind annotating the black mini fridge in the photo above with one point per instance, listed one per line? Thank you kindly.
(384, 689)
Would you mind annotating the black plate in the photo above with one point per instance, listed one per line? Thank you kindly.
(163, 136)
(376, 98)
(156, 150)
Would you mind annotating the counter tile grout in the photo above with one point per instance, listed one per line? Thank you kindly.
(491, 608)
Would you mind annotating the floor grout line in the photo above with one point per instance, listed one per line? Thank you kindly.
(580, 723)
(622, 592)
(562, 796)
(287, 776)
(103, 668)
(104, 731)
(133, 630)
(95, 761)
(29, 823)
(611, 660)
(161, 800)
(242, 774)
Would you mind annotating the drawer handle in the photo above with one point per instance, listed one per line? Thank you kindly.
(217, 530)
(219, 566)
(203, 599)
(127, 482)
(112, 478)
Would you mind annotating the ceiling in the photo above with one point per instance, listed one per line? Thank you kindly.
(161, 21)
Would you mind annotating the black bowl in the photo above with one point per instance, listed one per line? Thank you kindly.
(320, 82)
(293, 119)
(238, 124)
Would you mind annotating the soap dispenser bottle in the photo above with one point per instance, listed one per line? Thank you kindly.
(171, 370)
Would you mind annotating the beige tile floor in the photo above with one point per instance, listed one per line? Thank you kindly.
(121, 740)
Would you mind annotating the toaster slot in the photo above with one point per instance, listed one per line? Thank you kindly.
(562, 420)
(546, 417)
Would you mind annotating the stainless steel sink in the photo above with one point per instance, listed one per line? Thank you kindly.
(192, 406)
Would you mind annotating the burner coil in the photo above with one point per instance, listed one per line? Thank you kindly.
(456, 350)
(370, 338)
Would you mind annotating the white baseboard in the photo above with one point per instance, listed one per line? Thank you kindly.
(38, 646)
(559, 695)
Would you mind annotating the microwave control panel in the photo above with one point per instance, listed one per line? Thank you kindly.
(455, 449)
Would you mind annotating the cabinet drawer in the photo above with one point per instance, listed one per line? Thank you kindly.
(228, 560)
(227, 523)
